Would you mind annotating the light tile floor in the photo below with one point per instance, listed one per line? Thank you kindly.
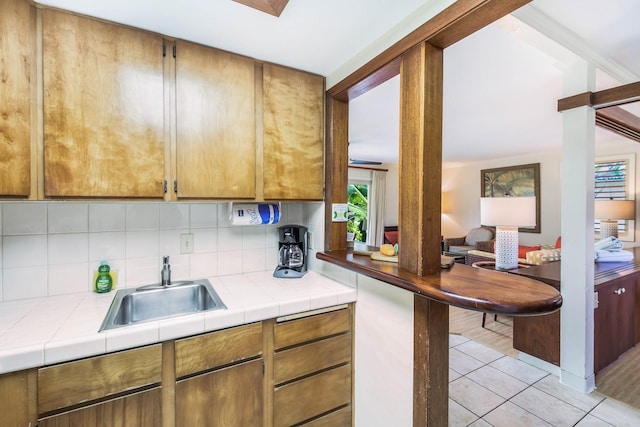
(487, 388)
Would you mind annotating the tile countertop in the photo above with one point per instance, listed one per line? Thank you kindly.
(43, 331)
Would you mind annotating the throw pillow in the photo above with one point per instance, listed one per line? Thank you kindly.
(391, 236)
(522, 250)
(559, 242)
(543, 256)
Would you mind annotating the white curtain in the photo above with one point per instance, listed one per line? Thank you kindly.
(375, 224)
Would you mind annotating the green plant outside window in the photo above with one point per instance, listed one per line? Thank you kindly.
(358, 201)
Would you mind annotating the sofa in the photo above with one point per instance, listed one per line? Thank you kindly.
(481, 238)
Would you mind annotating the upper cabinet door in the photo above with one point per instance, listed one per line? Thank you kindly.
(293, 134)
(17, 27)
(103, 109)
(215, 122)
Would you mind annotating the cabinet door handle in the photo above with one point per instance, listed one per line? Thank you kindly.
(620, 291)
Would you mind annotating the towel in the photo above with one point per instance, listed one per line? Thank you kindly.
(617, 256)
(611, 244)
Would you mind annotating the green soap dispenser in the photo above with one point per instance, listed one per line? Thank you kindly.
(104, 282)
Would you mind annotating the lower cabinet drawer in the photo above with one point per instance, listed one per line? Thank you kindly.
(300, 361)
(299, 331)
(219, 348)
(340, 418)
(73, 383)
(138, 409)
(310, 397)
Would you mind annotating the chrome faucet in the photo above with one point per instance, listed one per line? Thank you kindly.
(166, 272)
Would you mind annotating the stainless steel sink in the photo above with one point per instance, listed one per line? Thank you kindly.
(153, 302)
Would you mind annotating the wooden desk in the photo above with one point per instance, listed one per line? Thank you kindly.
(616, 317)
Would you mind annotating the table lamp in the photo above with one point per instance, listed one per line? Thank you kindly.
(507, 214)
(610, 211)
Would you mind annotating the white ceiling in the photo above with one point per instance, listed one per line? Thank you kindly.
(501, 84)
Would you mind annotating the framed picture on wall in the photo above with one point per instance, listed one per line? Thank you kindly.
(513, 181)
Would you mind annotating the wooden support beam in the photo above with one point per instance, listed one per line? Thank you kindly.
(462, 18)
(620, 121)
(430, 362)
(336, 171)
(272, 7)
(421, 88)
(420, 168)
(619, 95)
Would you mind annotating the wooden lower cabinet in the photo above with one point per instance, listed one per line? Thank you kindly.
(614, 321)
(136, 410)
(229, 396)
(220, 377)
(538, 336)
(17, 394)
(280, 372)
(313, 370)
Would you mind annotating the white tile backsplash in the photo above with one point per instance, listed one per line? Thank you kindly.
(26, 282)
(24, 251)
(204, 265)
(107, 217)
(24, 218)
(142, 271)
(68, 217)
(53, 248)
(230, 239)
(229, 262)
(107, 246)
(141, 244)
(253, 260)
(68, 248)
(204, 215)
(174, 216)
(169, 243)
(253, 237)
(143, 216)
(69, 278)
(205, 240)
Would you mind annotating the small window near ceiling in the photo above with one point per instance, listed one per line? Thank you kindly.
(358, 201)
(614, 181)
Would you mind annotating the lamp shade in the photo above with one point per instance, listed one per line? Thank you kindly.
(508, 211)
(615, 209)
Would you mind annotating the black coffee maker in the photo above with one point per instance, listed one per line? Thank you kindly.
(292, 251)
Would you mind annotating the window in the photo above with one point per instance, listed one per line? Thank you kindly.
(614, 181)
(358, 201)
(359, 184)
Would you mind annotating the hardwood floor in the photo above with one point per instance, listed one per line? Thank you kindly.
(619, 381)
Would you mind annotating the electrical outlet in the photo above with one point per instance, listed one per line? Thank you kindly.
(310, 240)
(186, 243)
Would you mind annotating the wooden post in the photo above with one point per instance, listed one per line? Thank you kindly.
(336, 173)
(420, 170)
(430, 362)
(421, 87)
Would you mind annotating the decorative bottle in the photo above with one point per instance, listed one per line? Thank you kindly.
(104, 282)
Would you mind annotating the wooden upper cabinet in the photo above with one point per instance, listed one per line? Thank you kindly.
(17, 30)
(293, 103)
(103, 109)
(216, 123)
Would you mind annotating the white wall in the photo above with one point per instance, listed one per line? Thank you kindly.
(52, 248)
(461, 188)
(383, 355)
